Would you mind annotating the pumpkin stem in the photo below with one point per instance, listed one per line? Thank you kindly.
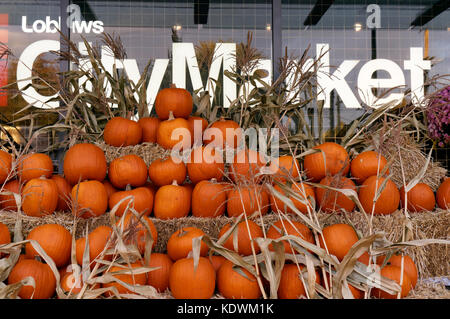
(174, 183)
(171, 117)
(213, 180)
(173, 86)
(128, 187)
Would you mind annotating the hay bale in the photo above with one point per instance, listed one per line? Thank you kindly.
(402, 151)
(147, 151)
(429, 290)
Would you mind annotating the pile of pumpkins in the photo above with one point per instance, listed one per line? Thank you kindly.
(90, 187)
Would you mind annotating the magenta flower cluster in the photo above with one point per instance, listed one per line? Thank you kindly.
(438, 117)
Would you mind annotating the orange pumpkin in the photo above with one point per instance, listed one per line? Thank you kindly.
(247, 199)
(408, 265)
(291, 286)
(180, 243)
(242, 238)
(149, 127)
(285, 168)
(246, 164)
(131, 278)
(339, 238)
(205, 163)
(136, 231)
(159, 278)
(54, 239)
(217, 261)
(304, 191)
(34, 165)
(443, 194)
(6, 160)
(109, 188)
(98, 239)
(197, 125)
(393, 273)
(284, 227)
(185, 283)
(64, 190)
(223, 133)
(420, 198)
(127, 170)
(39, 197)
(357, 294)
(231, 284)
(175, 100)
(174, 132)
(331, 160)
(367, 164)
(172, 201)
(8, 202)
(89, 199)
(164, 172)
(333, 201)
(387, 202)
(209, 199)
(42, 274)
(84, 162)
(120, 131)
(142, 203)
(5, 236)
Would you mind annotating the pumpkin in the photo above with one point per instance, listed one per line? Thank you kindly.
(98, 239)
(159, 278)
(172, 201)
(205, 163)
(109, 188)
(443, 194)
(149, 127)
(136, 232)
(334, 201)
(185, 282)
(291, 286)
(174, 132)
(217, 261)
(5, 236)
(84, 161)
(175, 100)
(142, 200)
(285, 227)
(6, 160)
(64, 190)
(242, 239)
(304, 191)
(197, 125)
(209, 199)
(39, 197)
(339, 238)
(223, 133)
(131, 278)
(248, 199)
(284, 168)
(72, 284)
(45, 281)
(231, 284)
(89, 199)
(331, 160)
(54, 239)
(164, 172)
(34, 165)
(393, 273)
(408, 265)
(8, 202)
(420, 198)
(180, 243)
(127, 170)
(120, 131)
(246, 164)
(367, 164)
(387, 202)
